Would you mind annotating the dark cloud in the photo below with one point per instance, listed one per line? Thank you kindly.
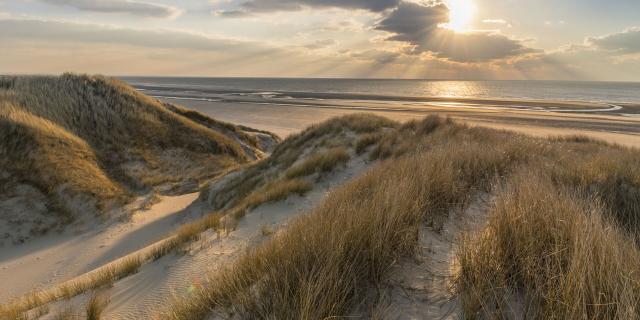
(472, 46)
(232, 13)
(626, 42)
(421, 26)
(255, 6)
(412, 22)
(139, 8)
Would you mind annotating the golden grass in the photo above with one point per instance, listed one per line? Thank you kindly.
(95, 307)
(327, 259)
(560, 239)
(274, 191)
(228, 129)
(322, 162)
(65, 314)
(101, 277)
(309, 142)
(366, 141)
(553, 249)
(105, 276)
(558, 235)
(72, 136)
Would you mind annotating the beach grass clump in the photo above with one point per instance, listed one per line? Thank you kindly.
(408, 137)
(319, 163)
(610, 173)
(99, 278)
(65, 314)
(95, 307)
(552, 252)
(277, 190)
(365, 141)
(309, 143)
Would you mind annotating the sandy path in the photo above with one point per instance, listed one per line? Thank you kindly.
(53, 259)
(141, 295)
(422, 287)
(285, 120)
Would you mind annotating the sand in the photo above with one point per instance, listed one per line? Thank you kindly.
(148, 291)
(56, 258)
(175, 275)
(422, 287)
(287, 117)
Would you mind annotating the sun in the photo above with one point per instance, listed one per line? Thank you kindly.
(461, 14)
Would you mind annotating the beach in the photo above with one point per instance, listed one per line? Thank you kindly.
(285, 113)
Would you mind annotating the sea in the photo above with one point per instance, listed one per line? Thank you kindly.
(599, 92)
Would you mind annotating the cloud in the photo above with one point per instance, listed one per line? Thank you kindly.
(232, 13)
(613, 57)
(420, 25)
(321, 44)
(22, 29)
(133, 7)
(495, 21)
(375, 55)
(42, 46)
(412, 22)
(260, 6)
(625, 42)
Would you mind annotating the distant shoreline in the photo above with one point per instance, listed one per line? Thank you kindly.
(384, 102)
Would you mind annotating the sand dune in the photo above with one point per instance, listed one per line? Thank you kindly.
(410, 183)
(75, 147)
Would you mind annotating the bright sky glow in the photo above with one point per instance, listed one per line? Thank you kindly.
(461, 14)
(443, 39)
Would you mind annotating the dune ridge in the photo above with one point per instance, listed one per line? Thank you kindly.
(90, 144)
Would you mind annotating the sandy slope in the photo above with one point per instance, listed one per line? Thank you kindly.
(56, 258)
(146, 292)
(143, 294)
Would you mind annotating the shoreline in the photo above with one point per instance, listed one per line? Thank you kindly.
(286, 117)
(400, 103)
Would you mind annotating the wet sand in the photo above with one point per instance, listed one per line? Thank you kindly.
(287, 113)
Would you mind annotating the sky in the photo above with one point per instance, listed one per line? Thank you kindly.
(593, 40)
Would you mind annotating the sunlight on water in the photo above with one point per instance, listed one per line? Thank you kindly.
(452, 89)
(613, 92)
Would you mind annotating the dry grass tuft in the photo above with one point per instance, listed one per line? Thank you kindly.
(274, 191)
(552, 250)
(319, 163)
(366, 141)
(310, 143)
(101, 277)
(95, 307)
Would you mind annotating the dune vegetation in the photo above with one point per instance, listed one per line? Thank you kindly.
(243, 188)
(559, 242)
(90, 143)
